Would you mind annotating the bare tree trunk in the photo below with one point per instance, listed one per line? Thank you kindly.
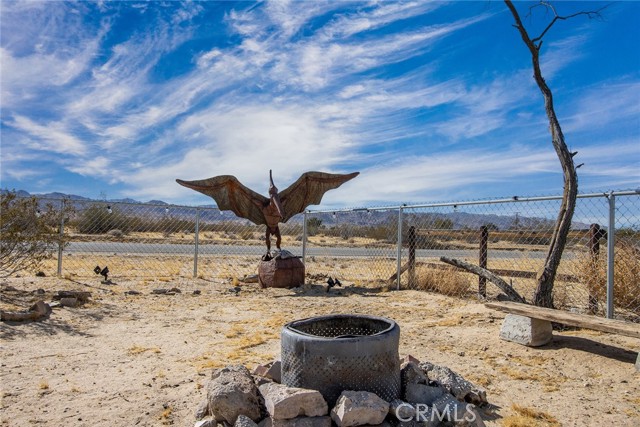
(544, 291)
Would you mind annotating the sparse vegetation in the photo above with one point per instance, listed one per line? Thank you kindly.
(529, 417)
(446, 282)
(29, 233)
(592, 271)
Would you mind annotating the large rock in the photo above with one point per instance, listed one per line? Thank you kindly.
(455, 384)
(357, 408)
(281, 273)
(411, 373)
(244, 421)
(456, 412)
(526, 331)
(297, 422)
(231, 392)
(272, 371)
(284, 402)
(422, 393)
(401, 410)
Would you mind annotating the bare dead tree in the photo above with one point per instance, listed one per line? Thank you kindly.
(544, 291)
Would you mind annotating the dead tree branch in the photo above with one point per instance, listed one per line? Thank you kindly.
(504, 286)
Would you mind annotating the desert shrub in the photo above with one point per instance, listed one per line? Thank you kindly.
(29, 234)
(380, 232)
(246, 234)
(116, 233)
(592, 272)
(313, 225)
(446, 282)
(100, 218)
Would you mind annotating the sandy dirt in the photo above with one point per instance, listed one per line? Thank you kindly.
(127, 360)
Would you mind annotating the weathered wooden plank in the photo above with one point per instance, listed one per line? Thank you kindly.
(573, 319)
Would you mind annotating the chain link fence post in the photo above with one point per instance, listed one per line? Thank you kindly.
(482, 259)
(304, 238)
(196, 240)
(61, 241)
(399, 266)
(611, 240)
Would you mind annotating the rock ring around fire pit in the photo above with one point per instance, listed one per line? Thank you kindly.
(342, 352)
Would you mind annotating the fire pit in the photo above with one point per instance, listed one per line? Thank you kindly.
(342, 352)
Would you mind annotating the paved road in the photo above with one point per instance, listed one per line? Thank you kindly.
(175, 249)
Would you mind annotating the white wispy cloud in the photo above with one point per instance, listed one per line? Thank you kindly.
(53, 136)
(301, 88)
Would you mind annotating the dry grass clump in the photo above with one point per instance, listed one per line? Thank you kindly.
(136, 349)
(593, 273)
(446, 282)
(529, 417)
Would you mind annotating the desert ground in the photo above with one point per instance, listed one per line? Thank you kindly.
(143, 360)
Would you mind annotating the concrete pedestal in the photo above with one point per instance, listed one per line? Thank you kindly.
(281, 273)
(526, 331)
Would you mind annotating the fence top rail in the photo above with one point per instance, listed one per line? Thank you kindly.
(514, 199)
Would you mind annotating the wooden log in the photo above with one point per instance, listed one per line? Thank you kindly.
(37, 311)
(411, 282)
(511, 293)
(482, 259)
(566, 318)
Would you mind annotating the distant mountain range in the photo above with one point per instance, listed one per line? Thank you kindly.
(57, 195)
(362, 217)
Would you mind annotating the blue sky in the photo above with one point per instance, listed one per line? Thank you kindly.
(430, 101)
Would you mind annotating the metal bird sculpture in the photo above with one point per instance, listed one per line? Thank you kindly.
(230, 194)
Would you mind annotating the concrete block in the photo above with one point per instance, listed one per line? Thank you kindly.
(526, 331)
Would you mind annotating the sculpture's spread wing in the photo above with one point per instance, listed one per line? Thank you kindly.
(230, 194)
(309, 189)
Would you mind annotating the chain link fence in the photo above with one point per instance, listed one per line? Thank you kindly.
(397, 247)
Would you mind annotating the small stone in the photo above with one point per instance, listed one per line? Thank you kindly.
(455, 384)
(410, 358)
(411, 373)
(357, 408)
(68, 302)
(203, 410)
(209, 422)
(284, 402)
(324, 421)
(272, 371)
(402, 410)
(159, 291)
(197, 292)
(244, 421)
(423, 394)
